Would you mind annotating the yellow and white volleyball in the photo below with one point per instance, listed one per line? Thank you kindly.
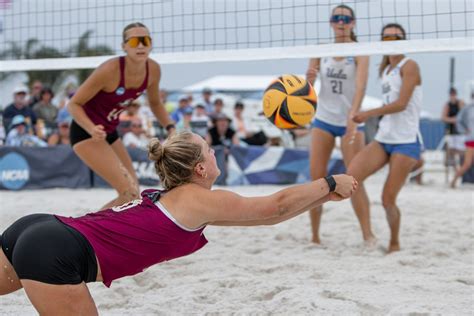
(289, 102)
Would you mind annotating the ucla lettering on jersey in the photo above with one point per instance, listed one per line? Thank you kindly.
(337, 90)
(401, 127)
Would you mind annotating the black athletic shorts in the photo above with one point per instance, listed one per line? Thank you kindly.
(77, 134)
(41, 248)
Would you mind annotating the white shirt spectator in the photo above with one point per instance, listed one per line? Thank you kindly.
(135, 141)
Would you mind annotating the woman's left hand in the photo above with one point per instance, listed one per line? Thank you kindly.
(360, 117)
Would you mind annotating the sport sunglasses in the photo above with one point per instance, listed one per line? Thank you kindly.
(346, 19)
(393, 37)
(136, 40)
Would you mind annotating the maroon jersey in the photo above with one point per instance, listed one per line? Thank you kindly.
(105, 107)
(128, 239)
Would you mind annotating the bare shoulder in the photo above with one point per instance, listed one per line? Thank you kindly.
(107, 69)
(155, 71)
(154, 66)
(410, 68)
(110, 65)
(410, 65)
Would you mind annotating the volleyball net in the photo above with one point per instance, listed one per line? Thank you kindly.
(70, 34)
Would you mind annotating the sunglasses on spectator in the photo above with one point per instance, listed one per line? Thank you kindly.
(392, 37)
(136, 40)
(346, 19)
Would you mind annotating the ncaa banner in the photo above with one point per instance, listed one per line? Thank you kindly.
(40, 168)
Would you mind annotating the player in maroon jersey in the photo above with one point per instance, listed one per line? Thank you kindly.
(98, 102)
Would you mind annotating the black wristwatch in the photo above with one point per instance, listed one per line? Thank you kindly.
(331, 183)
(169, 126)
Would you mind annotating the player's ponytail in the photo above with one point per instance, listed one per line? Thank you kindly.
(175, 159)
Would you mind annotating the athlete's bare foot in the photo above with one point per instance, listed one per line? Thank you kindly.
(370, 243)
(453, 184)
(316, 240)
(393, 247)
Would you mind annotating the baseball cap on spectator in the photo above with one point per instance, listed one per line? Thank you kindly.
(20, 89)
(207, 90)
(188, 110)
(63, 117)
(17, 120)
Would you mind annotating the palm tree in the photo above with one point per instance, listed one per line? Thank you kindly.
(31, 51)
(83, 49)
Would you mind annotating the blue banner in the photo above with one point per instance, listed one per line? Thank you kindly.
(41, 168)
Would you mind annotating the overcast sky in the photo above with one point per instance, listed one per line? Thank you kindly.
(184, 25)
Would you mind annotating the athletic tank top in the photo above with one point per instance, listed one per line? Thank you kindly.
(453, 109)
(337, 90)
(105, 107)
(401, 127)
(132, 237)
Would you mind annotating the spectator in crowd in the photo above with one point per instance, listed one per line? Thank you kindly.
(2, 130)
(206, 100)
(200, 121)
(136, 137)
(190, 98)
(239, 125)
(454, 141)
(465, 125)
(151, 126)
(36, 88)
(130, 114)
(183, 105)
(61, 135)
(67, 94)
(222, 134)
(44, 109)
(19, 107)
(218, 108)
(169, 106)
(185, 123)
(18, 135)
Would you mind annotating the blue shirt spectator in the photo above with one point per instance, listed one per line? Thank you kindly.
(18, 107)
(18, 135)
(183, 106)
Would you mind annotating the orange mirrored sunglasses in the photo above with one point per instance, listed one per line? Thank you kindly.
(394, 37)
(136, 40)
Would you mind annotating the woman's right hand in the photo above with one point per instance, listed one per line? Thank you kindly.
(345, 186)
(98, 133)
(311, 74)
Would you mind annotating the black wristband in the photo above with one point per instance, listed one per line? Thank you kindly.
(331, 183)
(169, 126)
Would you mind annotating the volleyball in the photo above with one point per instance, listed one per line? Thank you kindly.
(289, 102)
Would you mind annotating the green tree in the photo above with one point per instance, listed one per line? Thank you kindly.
(33, 50)
(84, 49)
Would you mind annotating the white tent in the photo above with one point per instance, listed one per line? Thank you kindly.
(233, 84)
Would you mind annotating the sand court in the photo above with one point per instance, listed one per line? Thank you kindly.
(276, 270)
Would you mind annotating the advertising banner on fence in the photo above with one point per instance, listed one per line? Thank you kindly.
(40, 168)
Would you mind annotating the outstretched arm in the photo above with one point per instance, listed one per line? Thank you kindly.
(224, 206)
(275, 220)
